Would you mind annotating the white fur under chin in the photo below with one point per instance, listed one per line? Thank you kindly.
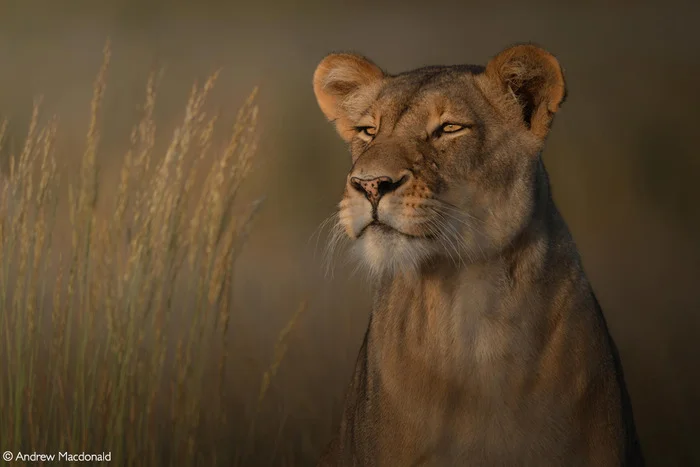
(392, 253)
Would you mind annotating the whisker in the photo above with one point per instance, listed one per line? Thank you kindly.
(337, 238)
(460, 238)
(451, 231)
(458, 219)
(319, 230)
(473, 228)
(446, 207)
(440, 227)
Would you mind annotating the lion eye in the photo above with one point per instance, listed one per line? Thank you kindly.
(367, 130)
(450, 127)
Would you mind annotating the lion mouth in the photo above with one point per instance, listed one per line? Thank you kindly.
(381, 227)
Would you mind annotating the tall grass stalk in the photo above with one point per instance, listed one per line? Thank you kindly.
(108, 345)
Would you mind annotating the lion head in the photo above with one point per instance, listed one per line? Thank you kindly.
(445, 159)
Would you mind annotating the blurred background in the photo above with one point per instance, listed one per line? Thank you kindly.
(623, 159)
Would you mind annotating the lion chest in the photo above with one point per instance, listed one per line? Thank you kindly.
(443, 335)
(451, 367)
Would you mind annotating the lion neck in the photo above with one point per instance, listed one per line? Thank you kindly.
(447, 313)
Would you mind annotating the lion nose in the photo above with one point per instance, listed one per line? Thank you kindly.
(375, 188)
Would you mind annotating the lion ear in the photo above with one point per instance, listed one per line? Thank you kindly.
(344, 84)
(534, 77)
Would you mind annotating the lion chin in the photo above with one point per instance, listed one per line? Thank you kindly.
(385, 251)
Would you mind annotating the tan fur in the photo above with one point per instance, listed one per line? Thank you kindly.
(486, 345)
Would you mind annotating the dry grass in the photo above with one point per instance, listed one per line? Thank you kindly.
(140, 303)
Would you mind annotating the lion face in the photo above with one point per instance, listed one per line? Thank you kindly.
(444, 158)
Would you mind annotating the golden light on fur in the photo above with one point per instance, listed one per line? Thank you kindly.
(535, 79)
(336, 82)
(486, 344)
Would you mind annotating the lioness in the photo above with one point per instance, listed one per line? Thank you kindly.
(486, 345)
